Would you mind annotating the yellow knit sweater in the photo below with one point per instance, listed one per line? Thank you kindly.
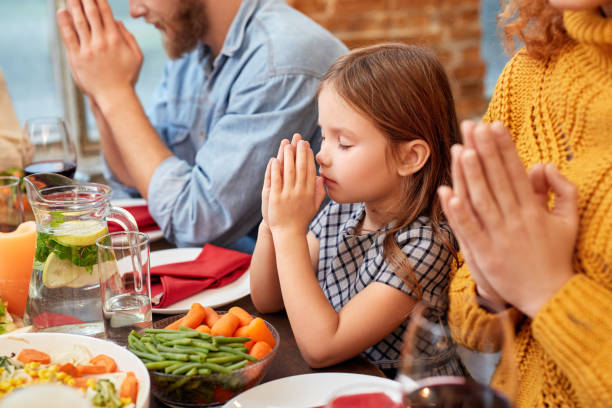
(560, 111)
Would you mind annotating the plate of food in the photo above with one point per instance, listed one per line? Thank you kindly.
(301, 391)
(104, 372)
(208, 297)
(138, 208)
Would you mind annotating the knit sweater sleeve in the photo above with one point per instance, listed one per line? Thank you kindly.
(575, 329)
(470, 324)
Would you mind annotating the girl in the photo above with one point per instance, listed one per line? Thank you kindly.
(349, 284)
(549, 260)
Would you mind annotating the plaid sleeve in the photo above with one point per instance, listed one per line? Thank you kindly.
(430, 262)
(317, 225)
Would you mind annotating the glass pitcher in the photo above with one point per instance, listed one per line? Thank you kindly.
(64, 294)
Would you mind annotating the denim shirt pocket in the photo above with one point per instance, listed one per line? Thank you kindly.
(177, 134)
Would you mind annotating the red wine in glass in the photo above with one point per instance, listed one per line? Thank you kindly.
(63, 167)
(454, 392)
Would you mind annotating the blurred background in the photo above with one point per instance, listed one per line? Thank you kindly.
(463, 33)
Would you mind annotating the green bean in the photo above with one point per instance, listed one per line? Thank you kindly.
(223, 339)
(177, 384)
(197, 358)
(148, 356)
(175, 356)
(238, 353)
(216, 367)
(178, 342)
(136, 344)
(203, 344)
(135, 334)
(173, 367)
(177, 335)
(151, 348)
(159, 331)
(204, 371)
(191, 372)
(185, 367)
(156, 365)
(224, 359)
(238, 365)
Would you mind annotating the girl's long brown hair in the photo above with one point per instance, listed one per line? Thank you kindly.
(536, 23)
(404, 91)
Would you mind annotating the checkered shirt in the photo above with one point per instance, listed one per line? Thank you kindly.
(348, 263)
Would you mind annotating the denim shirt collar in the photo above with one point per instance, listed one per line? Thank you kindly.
(235, 34)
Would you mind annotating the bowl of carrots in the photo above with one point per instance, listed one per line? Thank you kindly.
(205, 357)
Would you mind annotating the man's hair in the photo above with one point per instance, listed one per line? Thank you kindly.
(405, 93)
(537, 24)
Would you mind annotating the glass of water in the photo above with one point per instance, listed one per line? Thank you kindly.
(125, 284)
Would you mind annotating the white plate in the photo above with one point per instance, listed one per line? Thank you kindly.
(52, 343)
(132, 202)
(300, 391)
(208, 297)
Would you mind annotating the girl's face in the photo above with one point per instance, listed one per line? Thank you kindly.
(578, 4)
(353, 160)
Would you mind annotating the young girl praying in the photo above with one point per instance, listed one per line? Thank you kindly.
(349, 279)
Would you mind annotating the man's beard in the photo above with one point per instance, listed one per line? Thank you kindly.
(186, 28)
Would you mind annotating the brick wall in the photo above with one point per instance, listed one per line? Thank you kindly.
(451, 28)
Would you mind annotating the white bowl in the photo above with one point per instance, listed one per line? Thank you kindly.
(52, 343)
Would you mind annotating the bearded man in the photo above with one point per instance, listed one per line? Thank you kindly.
(242, 76)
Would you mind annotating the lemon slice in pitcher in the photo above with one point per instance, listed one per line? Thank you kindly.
(79, 233)
(59, 272)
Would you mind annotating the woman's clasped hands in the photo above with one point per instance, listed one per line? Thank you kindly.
(518, 249)
(292, 192)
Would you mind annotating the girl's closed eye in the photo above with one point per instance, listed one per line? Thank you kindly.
(343, 145)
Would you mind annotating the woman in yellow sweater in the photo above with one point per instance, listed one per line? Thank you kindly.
(547, 256)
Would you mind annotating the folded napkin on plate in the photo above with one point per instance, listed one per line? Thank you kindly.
(213, 268)
(143, 218)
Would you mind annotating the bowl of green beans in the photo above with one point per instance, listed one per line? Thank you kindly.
(192, 369)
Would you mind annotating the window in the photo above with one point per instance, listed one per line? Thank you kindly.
(39, 80)
(492, 48)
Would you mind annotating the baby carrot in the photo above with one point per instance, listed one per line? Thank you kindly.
(258, 330)
(175, 324)
(33, 356)
(260, 350)
(225, 326)
(86, 369)
(203, 328)
(211, 316)
(69, 369)
(243, 315)
(195, 316)
(129, 387)
(105, 361)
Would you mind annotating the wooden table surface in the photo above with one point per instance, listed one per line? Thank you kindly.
(288, 360)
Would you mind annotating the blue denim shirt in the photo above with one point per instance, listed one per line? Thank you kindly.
(223, 117)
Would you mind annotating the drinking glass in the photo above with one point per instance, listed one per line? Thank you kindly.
(11, 206)
(53, 148)
(125, 283)
(17, 245)
(438, 372)
(367, 395)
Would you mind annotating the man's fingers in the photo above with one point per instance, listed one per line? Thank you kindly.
(129, 38)
(80, 22)
(67, 32)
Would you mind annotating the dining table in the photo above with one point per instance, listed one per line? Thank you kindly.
(288, 360)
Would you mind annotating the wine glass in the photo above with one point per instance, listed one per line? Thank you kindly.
(48, 147)
(437, 371)
(378, 394)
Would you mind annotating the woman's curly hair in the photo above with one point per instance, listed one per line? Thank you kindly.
(536, 23)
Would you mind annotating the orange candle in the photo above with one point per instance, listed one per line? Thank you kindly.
(16, 258)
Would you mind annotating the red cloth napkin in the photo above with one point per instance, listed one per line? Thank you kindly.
(143, 218)
(46, 320)
(213, 268)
